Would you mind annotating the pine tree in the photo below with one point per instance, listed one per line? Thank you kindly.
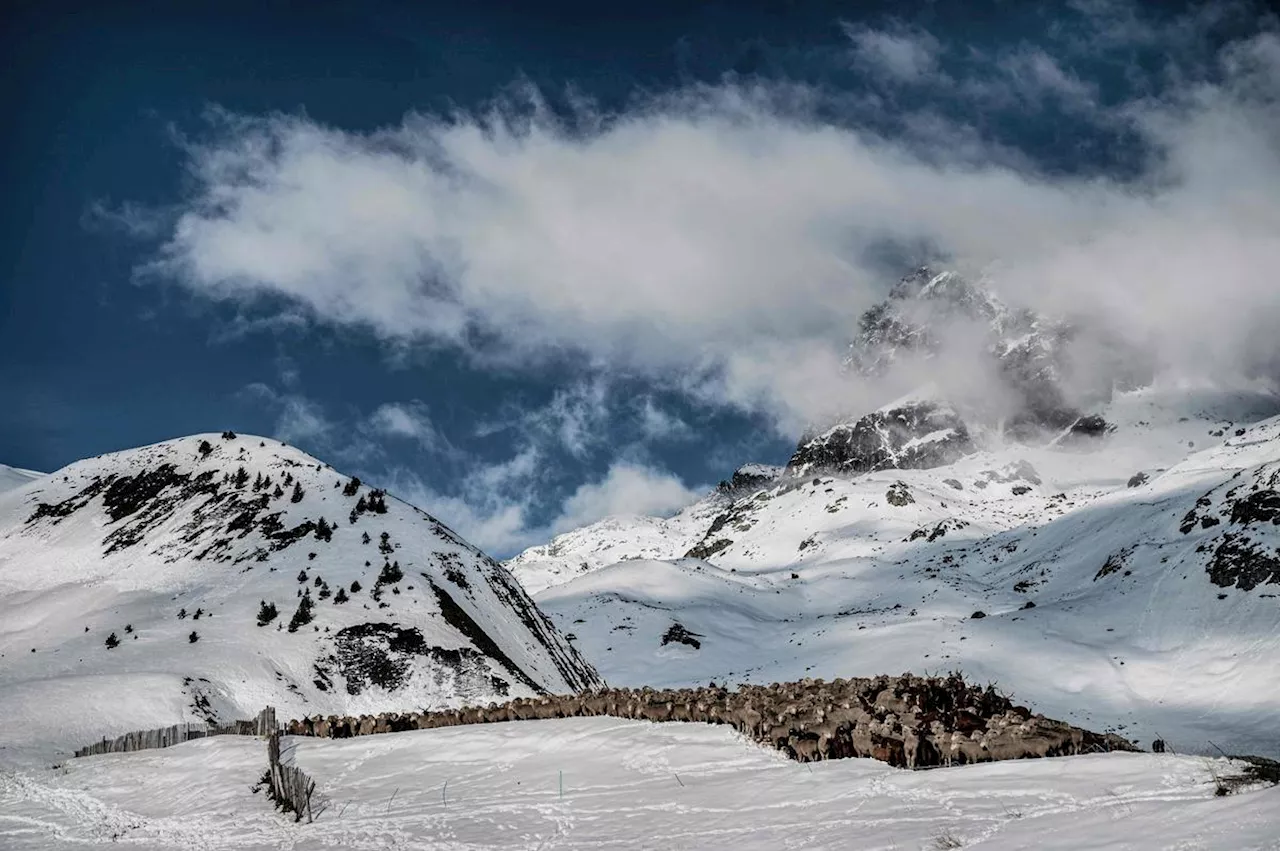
(297, 492)
(205, 448)
(303, 615)
(341, 596)
(324, 532)
(302, 576)
(112, 641)
(277, 493)
(267, 613)
(241, 478)
(391, 574)
(364, 538)
(182, 613)
(355, 586)
(352, 488)
(193, 637)
(384, 544)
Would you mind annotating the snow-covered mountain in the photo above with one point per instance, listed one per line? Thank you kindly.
(626, 537)
(931, 315)
(207, 576)
(1130, 581)
(14, 477)
(996, 369)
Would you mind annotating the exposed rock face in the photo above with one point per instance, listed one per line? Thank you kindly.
(1237, 524)
(920, 319)
(915, 436)
(909, 320)
(678, 634)
(1028, 351)
(906, 721)
(748, 478)
(384, 655)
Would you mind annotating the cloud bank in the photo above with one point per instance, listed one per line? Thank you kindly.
(723, 239)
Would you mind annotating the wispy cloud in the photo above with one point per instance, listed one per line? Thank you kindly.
(723, 239)
(626, 489)
(408, 420)
(900, 52)
(504, 502)
(298, 419)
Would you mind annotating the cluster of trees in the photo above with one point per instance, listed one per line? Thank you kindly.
(304, 614)
(267, 612)
(375, 502)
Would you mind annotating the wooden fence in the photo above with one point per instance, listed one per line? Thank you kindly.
(262, 725)
(290, 788)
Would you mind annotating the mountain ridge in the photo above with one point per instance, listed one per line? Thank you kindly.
(1073, 551)
(162, 579)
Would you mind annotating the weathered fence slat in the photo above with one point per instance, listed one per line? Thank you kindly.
(262, 725)
(290, 787)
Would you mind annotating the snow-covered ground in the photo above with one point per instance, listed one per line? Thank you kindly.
(15, 477)
(612, 540)
(626, 784)
(1099, 604)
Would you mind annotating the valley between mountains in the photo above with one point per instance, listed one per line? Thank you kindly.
(1107, 557)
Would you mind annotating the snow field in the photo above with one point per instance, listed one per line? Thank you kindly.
(627, 784)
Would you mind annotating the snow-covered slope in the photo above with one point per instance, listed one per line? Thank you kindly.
(15, 477)
(199, 558)
(604, 783)
(621, 538)
(607, 541)
(1128, 581)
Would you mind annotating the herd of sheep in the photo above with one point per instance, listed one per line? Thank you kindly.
(907, 721)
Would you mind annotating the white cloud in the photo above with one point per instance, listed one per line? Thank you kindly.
(901, 53)
(410, 420)
(498, 505)
(298, 419)
(658, 424)
(724, 240)
(496, 524)
(1032, 75)
(626, 489)
(577, 418)
(494, 507)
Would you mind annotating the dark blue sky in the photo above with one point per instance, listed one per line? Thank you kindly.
(93, 358)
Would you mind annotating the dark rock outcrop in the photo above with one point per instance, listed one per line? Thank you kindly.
(915, 436)
(748, 478)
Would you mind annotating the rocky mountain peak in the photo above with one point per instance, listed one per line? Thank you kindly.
(1026, 353)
